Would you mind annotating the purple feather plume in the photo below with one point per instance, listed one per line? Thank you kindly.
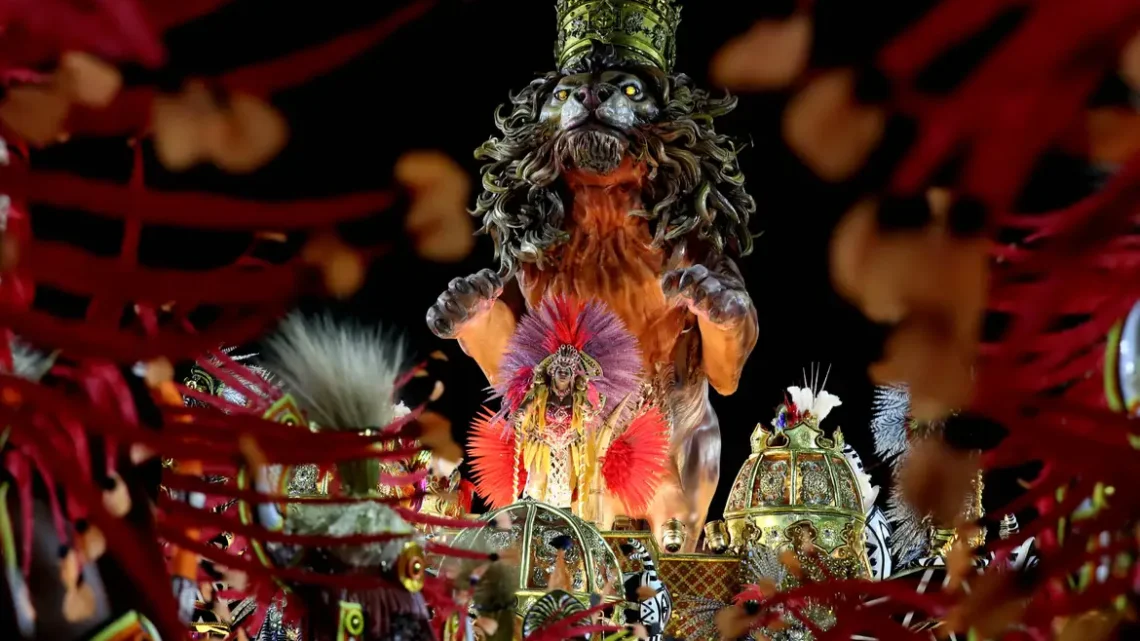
(591, 328)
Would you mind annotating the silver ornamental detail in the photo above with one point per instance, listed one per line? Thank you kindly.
(303, 480)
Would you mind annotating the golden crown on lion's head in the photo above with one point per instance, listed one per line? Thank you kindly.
(640, 31)
(674, 535)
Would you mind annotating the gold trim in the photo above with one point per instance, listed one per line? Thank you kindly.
(7, 538)
(797, 509)
(351, 621)
(704, 558)
(1112, 383)
(644, 30)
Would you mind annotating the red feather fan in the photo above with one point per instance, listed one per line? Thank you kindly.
(634, 464)
(492, 450)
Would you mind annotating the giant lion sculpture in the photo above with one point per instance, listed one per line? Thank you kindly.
(610, 182)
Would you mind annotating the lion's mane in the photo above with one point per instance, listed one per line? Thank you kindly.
(694, 188)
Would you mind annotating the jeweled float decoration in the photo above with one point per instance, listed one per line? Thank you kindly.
(557, 550)
(797, 487)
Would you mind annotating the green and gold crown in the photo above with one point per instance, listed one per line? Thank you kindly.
(641, 31)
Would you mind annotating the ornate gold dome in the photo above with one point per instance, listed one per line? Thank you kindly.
(797, 484)
(534, 527)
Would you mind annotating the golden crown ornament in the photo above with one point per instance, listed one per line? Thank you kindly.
(640, 31)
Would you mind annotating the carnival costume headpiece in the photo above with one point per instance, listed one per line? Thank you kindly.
(586, 336)
(606, 361)
(345, 379)
(640, 31)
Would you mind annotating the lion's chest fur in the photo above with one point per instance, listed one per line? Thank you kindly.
(616, 265)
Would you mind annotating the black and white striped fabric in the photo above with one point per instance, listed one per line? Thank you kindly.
(654, 612)
(878, 532)
(933, 578)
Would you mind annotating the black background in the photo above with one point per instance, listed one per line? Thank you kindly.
(435, 85)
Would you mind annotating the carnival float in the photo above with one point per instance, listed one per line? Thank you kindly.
(189, 451)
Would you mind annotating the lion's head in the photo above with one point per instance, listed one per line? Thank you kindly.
(588, 119)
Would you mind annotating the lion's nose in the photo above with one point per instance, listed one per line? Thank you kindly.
(591, 96)
(587, 97)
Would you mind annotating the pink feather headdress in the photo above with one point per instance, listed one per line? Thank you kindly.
(589, 328)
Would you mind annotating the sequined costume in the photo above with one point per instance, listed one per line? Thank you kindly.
(551, 433)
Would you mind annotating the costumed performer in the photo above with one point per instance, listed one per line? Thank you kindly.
(576, 429)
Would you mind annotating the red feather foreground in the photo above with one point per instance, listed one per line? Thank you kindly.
(492, 452)
(634, 464)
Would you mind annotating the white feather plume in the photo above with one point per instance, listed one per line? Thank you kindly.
(342, 374)
(820, 405)
(890, 422)
(801, 397)
(910, 532)
(824, 403)
(890, 427)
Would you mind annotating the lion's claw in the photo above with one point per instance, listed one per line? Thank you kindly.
(721, 299)
(464, 300)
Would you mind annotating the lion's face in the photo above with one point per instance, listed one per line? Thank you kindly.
(593, 116)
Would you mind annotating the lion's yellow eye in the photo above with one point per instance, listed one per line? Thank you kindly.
(630, 90)
(563, 94)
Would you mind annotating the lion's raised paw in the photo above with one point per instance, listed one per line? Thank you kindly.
(717, 298)
(466, 299)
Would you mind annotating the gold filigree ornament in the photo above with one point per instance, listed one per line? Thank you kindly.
(351, 622)
(411, 566)
(640, 31)
(532, 530)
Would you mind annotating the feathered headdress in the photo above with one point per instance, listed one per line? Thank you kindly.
(344, 377)
(592, 330)
(632, 466)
